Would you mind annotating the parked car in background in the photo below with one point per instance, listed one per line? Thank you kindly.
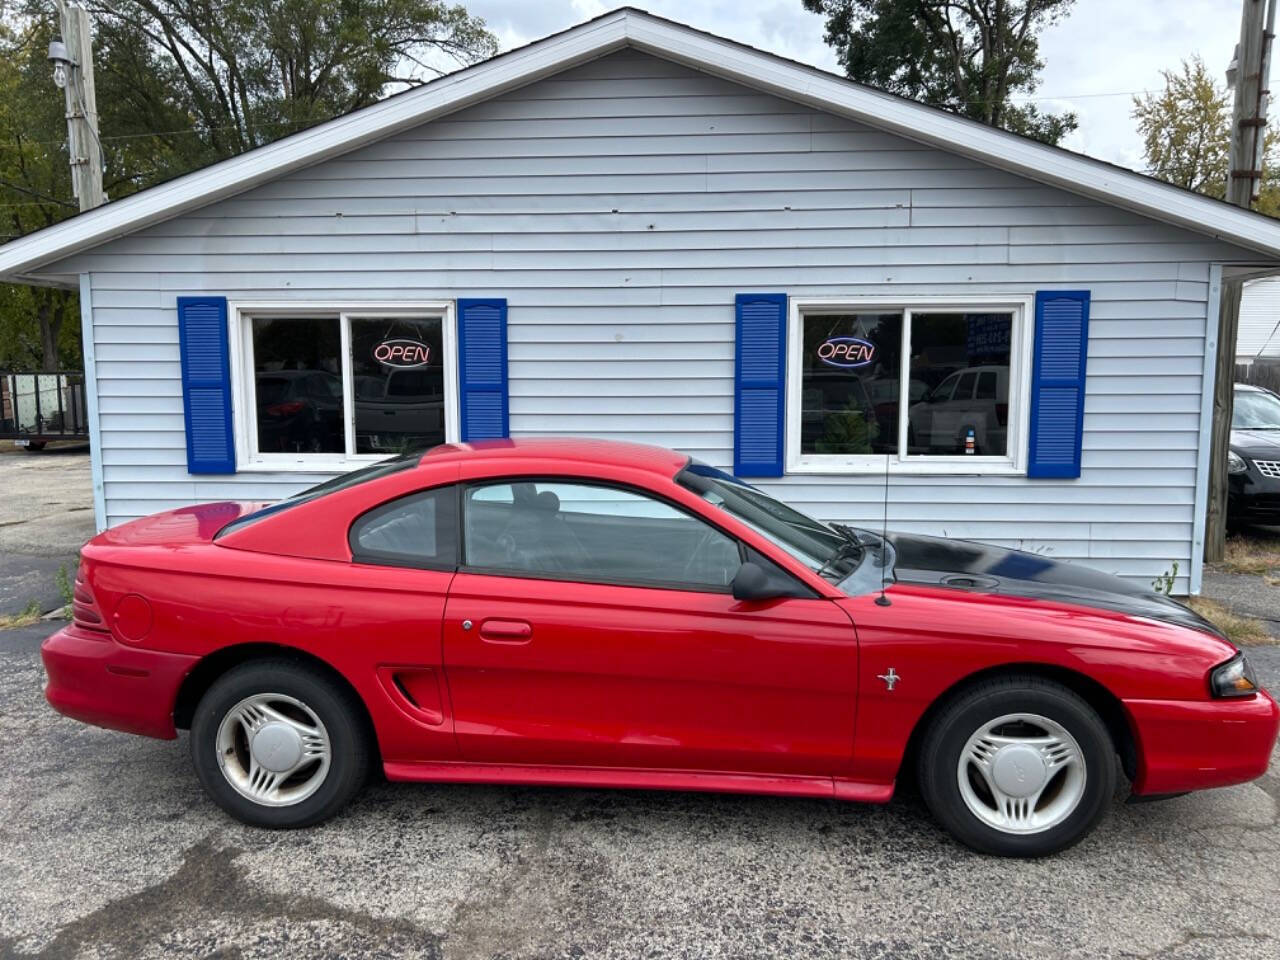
(401, 410)
(1253, 463)
(299, 411)
(602, 614)
(973, 399)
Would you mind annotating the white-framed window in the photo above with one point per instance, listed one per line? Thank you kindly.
(324, 387)
(932, 385)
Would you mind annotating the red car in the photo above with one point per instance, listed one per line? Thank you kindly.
(602, 614)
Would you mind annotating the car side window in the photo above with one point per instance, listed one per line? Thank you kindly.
(943, 392)
(964, 391)
(420, 530)
(593, 533)
(987, 385)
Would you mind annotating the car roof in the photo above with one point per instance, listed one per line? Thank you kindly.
(585, 451)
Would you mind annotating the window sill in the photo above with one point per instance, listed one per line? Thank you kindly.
(327, 465)
(948, 467)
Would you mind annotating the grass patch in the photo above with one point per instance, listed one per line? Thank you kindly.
(1242, 631)
(1250, 555)
(24, 619)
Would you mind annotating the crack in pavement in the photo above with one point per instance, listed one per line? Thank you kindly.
(1193, 936)
(210, 891)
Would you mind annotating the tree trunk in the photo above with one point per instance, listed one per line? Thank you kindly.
(51, 311)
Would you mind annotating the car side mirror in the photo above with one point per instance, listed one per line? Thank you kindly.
(752, 583)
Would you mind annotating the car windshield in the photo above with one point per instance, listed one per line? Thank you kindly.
(1255, 410)
(374, 471)
(854, 560)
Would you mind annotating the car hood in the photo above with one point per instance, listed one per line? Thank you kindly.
(1256, 443)
(966, 565)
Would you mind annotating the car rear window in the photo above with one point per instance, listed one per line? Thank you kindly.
(376, 471)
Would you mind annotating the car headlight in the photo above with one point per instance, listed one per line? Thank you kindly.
(1236, 463)
(1235, 678)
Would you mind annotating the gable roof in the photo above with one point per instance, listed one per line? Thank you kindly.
(22, 259)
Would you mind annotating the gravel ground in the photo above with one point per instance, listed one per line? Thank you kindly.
(108, 850)
(46, 515)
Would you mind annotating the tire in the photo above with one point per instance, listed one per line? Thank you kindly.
(1017, 732)
(35, 446)
(309, 725)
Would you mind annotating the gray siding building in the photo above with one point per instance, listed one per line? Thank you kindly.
(637, 231)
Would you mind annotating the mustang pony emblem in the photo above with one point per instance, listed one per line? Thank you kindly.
(889, 679)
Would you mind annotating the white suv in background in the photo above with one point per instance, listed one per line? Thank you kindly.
(975, 398)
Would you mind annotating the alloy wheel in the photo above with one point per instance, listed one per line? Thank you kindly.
(273, 749)
(1021, 773)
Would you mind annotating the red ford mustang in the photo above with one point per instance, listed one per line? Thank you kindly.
(603, 614)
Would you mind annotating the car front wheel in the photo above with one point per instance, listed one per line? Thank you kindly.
(279, 744)
(1018, 766)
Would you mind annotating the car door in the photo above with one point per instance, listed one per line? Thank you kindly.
(594, 626)
(950, 417)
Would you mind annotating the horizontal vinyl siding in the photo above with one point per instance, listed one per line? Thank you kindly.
(619, 207)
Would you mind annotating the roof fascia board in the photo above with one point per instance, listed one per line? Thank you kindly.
(21, 259)
(936, 128)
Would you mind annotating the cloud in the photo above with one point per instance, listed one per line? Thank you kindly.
(1095, 57)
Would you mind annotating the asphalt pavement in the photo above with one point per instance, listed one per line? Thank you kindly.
(46, 515)
(108, 849)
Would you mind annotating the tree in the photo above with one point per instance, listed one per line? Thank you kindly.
(251, 71)
(1186, 135)
(972, 57)
(1185, 129)
(181, 84)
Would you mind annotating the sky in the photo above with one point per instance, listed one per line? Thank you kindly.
(1096, 58)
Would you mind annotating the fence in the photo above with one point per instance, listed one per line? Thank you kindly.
(40, 407)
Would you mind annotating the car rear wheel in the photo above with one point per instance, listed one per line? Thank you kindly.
(1018, 766)
(277, 743)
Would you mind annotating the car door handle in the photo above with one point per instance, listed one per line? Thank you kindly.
(506, 631)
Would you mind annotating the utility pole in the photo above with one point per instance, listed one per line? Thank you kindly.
(72, 58)
(1248, 76)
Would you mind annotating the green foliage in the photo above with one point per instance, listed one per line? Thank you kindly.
(260, 69)
(973, 57)
(181, 84)
(1186, 135)
(62, 580)
(1163, 584)
(1185, 129)
(850, 431)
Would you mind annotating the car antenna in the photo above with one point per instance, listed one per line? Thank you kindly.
(882, 600)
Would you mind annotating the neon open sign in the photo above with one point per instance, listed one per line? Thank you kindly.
(846, 352)
(402, 353)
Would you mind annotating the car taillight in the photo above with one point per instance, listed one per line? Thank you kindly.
(1002, 413)
(285, 409)
(85, 612)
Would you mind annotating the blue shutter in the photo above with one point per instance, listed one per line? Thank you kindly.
(760, 384)
(1057, 383)
(206, 384)
(482, 369)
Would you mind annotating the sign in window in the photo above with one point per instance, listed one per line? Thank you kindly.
(398, 372)
(849, 383)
